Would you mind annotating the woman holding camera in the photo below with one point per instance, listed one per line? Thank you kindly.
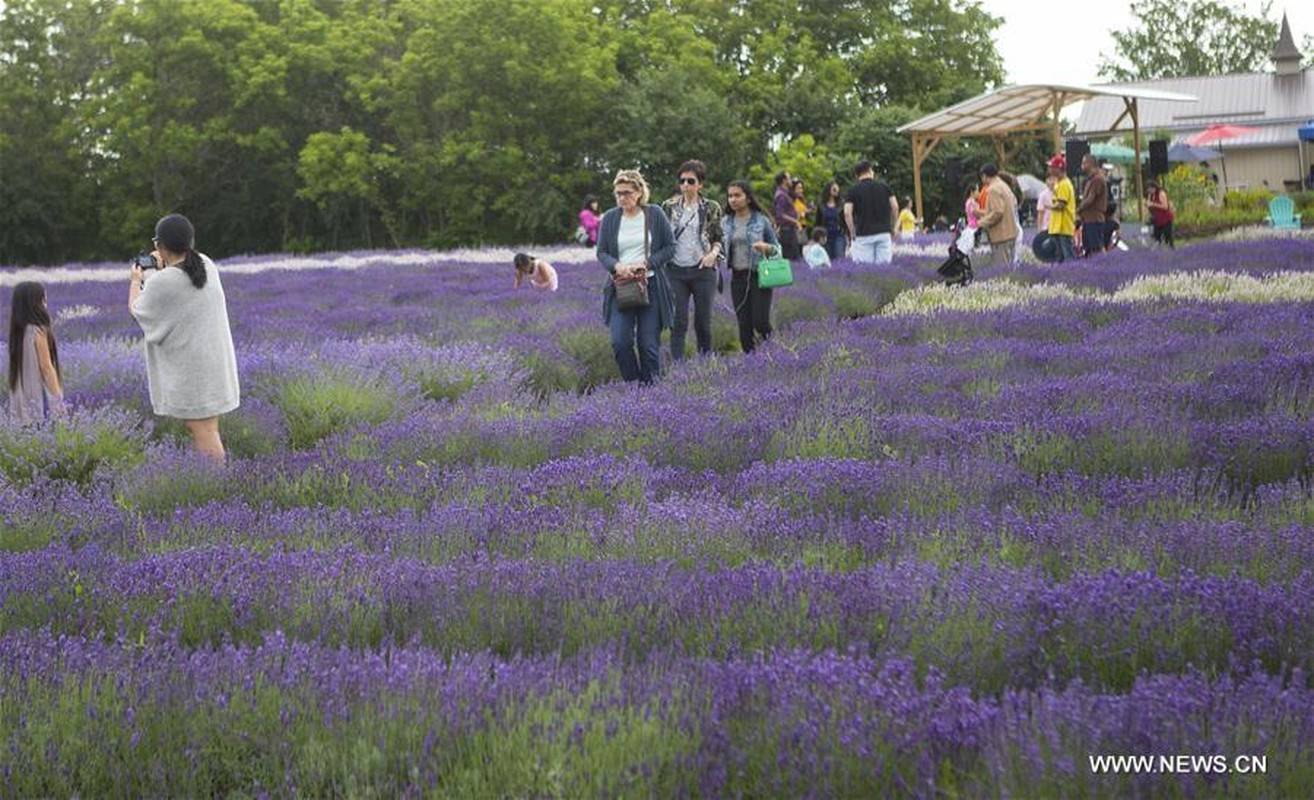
(635, 242)
(191, 368)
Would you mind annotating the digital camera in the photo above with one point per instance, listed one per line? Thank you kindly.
(145, 260)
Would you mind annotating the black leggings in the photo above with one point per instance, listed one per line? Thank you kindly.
(790, 245)
(701, 285)
(752, 308)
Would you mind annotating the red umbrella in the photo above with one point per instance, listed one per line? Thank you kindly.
(1218, 134)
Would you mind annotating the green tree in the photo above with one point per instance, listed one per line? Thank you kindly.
(48, 191)
(663, 117)
(309, 124)
(1197, 37)
(804, 159)
(496, 108)
(797, 65)
(339, 174)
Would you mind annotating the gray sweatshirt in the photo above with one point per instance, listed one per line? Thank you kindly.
(190, 363)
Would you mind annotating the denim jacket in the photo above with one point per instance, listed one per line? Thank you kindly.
(759, 230)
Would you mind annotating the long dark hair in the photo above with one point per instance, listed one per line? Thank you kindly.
(195, 268)
(28, 309)
(175, 233)
(747, 189)
(825, 195)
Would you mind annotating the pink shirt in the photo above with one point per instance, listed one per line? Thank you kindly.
(971, 210)
(544, 277)
(1043, 205)
(590, 221)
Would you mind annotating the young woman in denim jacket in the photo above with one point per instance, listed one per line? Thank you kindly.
(634, 238)
(748, 235)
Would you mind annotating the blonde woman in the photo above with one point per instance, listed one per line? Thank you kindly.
(635, 239)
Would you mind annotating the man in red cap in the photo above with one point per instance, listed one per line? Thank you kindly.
(1062, 217)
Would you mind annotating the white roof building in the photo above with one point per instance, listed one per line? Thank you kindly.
(1276, 103)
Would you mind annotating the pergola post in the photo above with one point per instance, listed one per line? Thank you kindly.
(922, 147)
(1055, 113)
(1133, 110)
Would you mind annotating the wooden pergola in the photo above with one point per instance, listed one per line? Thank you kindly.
(1014, 114)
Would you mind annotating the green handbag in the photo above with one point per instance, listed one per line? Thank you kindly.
(774, 272)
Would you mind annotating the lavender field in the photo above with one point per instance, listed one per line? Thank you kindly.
(924, 543)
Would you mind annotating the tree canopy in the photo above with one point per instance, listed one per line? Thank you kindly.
(1176, 39)
(314, 124)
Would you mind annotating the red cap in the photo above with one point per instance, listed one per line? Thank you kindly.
(1058, 162)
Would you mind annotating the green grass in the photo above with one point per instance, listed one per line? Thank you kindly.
(327, 402)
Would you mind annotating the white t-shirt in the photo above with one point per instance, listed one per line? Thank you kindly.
(629, 239)
(816, 256)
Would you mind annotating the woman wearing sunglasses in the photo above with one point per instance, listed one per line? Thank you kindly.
(696, 223)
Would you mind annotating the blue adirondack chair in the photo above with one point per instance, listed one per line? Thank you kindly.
(1282, 213)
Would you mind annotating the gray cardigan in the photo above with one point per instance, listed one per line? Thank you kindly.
(191, 367)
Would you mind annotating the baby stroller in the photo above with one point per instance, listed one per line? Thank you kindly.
(957, 268)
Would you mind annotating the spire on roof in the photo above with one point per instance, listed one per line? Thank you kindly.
(1286, 57)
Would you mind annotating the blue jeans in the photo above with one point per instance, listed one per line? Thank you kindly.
(647, 322)
(836, 245)
(1065, 251)
(875, 249)
(701, 285)
(1092, 237)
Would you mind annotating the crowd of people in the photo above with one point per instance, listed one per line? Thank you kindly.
(676, 247)
(665, 254)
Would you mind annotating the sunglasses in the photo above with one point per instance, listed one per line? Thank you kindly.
(688, 181)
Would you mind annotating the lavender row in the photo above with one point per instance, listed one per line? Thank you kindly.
(985, 627)
(842, 513)
(286, 717)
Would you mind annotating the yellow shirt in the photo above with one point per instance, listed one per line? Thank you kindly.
(1063, 221)
(907, 222)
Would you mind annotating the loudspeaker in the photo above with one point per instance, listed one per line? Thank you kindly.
(1073, 150)
(1158, 157)
(953, 175)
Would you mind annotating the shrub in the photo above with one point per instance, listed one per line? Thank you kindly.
(591, 349)
(324, 403)
(1189, 188)
(1210, 220)
(71, 447)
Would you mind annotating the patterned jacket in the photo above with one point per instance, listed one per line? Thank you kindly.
(709, 220)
